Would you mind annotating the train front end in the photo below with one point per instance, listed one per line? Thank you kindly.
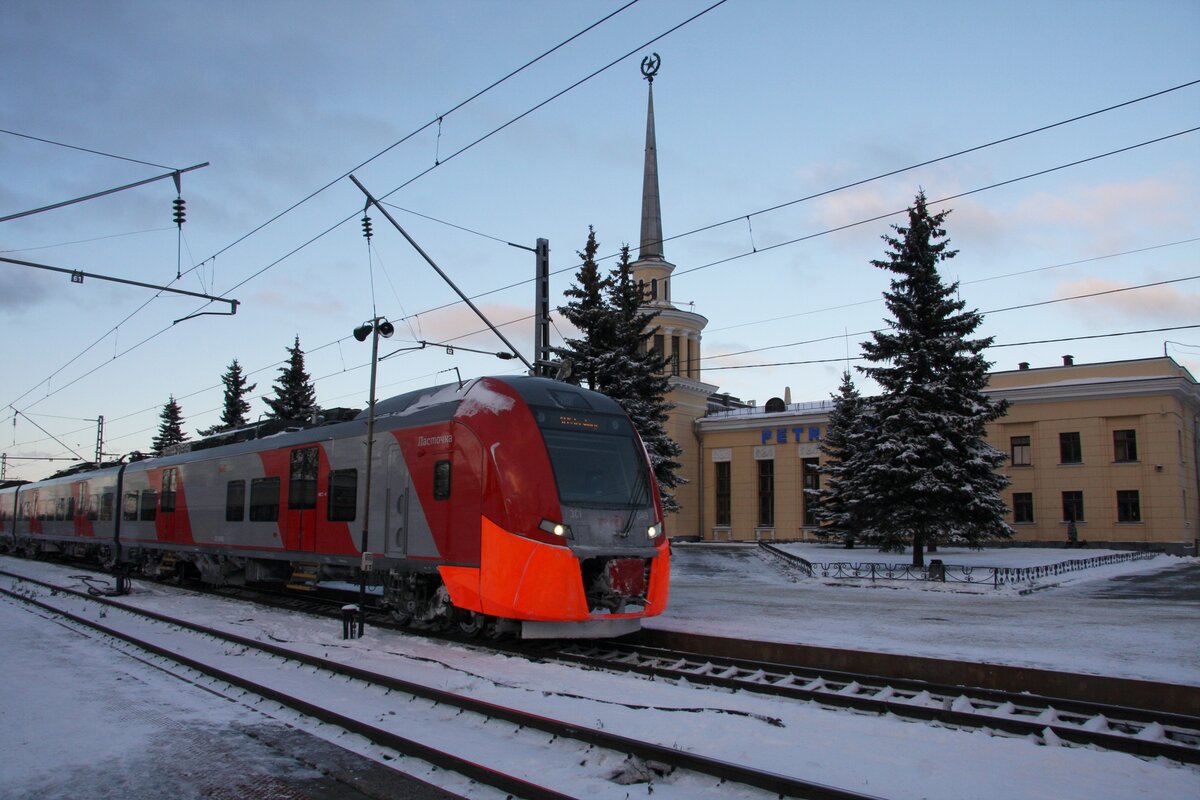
(572, 541)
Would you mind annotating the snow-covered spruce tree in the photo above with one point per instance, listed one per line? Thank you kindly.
(839, 504)
(588, 311)
(930, 476)
(170, 428)
(233, 415)
(631, 373)
(295, 396)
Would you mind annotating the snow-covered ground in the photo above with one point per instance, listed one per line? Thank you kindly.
(1063, 623)
(73, 718)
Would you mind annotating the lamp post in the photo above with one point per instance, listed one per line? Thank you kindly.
(379, 326)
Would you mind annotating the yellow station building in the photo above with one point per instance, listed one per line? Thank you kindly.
(1111, 446)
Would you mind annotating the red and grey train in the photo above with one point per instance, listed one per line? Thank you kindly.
(502, 502)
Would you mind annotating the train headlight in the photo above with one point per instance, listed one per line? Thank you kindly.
(654, 530)
(559, 529)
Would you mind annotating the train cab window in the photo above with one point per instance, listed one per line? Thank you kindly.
(343, 495)
(235, 501)
(264, 500)
(441, 480)
(302, 488)
(149, 506)
(129, 507)
(169, 480)
(106, 507)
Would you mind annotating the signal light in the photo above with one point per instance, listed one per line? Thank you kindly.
(179, 204)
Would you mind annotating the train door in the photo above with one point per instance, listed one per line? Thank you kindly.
(165, 521)
(302, 497)
(397, 494)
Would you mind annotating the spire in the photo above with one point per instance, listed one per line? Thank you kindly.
(651, 242)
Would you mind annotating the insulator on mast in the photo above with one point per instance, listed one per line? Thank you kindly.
(179, 204)
(366, 226)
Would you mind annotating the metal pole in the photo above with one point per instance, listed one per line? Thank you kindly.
(100, 440)
(541, 351)
(362, 582)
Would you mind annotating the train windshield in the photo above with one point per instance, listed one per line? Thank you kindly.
(597, 459)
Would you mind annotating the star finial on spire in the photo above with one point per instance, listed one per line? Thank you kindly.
(650, 66)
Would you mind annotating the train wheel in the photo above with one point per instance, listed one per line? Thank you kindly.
(400, 617)
(473, 623)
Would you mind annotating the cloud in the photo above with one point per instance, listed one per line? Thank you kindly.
(1156, 303)
(459, 325)
(20, 290)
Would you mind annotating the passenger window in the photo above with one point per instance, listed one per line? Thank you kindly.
(106, 507)
(129, 507)
(441, 480)
(343, 495)
(235, 501)
(149, 506)
(302, 488)
(169, 479)
(264, 500)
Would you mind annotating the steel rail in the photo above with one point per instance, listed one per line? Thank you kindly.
(783, 785)
(400, 744)
(886, 695)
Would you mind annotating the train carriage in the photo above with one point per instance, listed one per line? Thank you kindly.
(512, 501)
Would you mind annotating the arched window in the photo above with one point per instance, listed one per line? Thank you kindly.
(654, 288)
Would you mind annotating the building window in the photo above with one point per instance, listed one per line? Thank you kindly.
(1069, 449)
(674, 355)
(1020, 451)
(724, 492)
(343, 495)
(169, 481)
(302, 486)
(1125, 445)
(264, 500)
(812, 485)
(1072, 506)
(235, 501)
(766, 493)
(687, 367)
(654, 288)
(1022, 505)
(659, 354)
(1129, 506)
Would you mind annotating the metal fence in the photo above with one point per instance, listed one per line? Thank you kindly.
(936, 570)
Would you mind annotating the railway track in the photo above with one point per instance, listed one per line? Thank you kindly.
(376, 706)
(1140, 732)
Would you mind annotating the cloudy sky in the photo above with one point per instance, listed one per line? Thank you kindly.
(759, 105)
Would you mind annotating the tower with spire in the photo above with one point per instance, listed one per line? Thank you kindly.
(677, 333)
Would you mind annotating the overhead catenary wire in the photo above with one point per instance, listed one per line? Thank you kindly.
(694, 231)
(763, 211)
(855, 184)
(336, 180)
